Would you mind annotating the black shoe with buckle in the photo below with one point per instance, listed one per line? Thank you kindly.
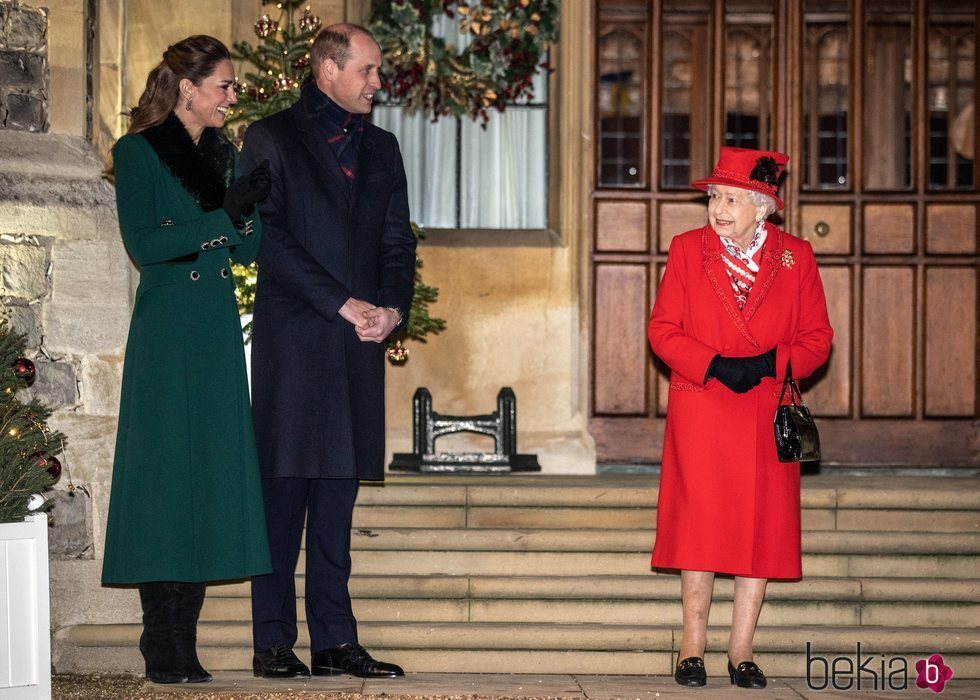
(278, 662)
(690, 672)
(747, 675)
(353, 659)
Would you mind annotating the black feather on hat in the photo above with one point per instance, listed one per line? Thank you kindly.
(766, 171)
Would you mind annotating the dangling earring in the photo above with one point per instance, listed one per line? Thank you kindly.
(760, 227)
(189, 103)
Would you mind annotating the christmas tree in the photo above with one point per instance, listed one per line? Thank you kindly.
(282, 62)
(28, 465)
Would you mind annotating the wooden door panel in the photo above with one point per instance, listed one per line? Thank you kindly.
(676, 218)
(951, 229)
(889, 228)
(827, 227)
(621, 356)
(888, 350)
(951, 333)
(891, 442)
(828, 392)
(622, 226)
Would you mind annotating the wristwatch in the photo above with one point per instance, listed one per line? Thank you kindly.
(398, 312)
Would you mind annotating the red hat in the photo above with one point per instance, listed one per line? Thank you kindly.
(748, 169)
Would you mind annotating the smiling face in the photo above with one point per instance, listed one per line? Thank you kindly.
(209, 100)
(732, 214)
(353, 86)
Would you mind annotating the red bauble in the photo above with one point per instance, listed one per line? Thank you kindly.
(397, 353)
(45, 461)
(25, 370)
(266, 26)
(309, 22)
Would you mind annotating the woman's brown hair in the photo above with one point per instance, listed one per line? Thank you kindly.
(194, 58)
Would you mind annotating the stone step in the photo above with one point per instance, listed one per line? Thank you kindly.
(777, 613)
(620, 600)
(489, 563)
(642, 587)
(621, 540)
(640, 491)
(644, 519)
(893, 519)
(949, 505)
(551, 648)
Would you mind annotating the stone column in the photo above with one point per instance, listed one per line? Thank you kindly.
(23, 67)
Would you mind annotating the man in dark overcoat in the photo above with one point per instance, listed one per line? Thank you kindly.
(336, 273)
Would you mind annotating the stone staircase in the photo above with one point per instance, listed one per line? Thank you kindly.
(550, 574)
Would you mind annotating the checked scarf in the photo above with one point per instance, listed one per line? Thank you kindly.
(343, 129)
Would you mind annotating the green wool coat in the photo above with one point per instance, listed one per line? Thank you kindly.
(186, 500)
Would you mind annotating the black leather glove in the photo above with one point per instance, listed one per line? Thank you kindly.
(742, 373)
(242, 195)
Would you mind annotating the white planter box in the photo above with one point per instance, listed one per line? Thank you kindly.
(25, 614)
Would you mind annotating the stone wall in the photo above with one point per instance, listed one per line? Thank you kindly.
(23, 67)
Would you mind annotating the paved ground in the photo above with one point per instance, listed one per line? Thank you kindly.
(242, 686)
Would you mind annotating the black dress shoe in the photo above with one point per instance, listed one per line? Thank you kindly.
(278, 662)
(690, 672)
(747, 675)
(352, 659)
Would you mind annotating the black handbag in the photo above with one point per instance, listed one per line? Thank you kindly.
(797, 439)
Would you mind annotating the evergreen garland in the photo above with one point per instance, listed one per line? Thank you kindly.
(507, 44)
(27, 447)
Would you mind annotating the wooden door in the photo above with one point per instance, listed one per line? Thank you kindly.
(874, 102)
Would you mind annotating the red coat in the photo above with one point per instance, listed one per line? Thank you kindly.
(726, 502)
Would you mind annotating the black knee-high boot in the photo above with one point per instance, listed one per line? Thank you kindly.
(157, 641)
(190, 598)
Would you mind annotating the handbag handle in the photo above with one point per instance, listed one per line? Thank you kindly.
(794, 390)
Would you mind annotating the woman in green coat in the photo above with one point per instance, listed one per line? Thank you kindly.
(186, 504)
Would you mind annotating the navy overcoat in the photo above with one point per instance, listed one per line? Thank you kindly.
(318, 391)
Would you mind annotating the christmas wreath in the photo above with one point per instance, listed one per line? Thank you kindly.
(508, 40)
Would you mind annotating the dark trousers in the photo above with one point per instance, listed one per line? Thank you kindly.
(327, 506)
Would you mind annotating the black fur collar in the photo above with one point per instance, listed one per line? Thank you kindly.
(204, 170)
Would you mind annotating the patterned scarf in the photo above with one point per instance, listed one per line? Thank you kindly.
(343, 129)
(742, 265)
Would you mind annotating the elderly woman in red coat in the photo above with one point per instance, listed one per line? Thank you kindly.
(740, 300)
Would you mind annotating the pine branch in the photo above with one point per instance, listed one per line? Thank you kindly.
(25, 440)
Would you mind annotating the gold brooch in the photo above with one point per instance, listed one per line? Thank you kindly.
(787, 259)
